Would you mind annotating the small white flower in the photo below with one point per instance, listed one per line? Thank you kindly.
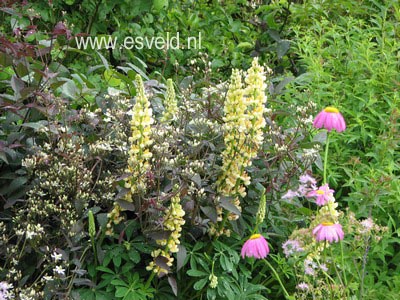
(47, 278)
(30, 234)
(56, 256)
(59, 270)
(368, 224)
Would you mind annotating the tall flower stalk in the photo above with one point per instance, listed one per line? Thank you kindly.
(173, 222)
(243, 135)
(170, 103)
(140, 142)
(139, 154)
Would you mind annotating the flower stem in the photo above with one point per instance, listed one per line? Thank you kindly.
(337, 271)
(326, 156)
(149, 280)
(287, 296)
(343, 267)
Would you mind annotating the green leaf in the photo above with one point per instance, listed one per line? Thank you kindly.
(111, 79)
(69, 89)
(158, 5)
(105, 269)
(117, 260)
(174, 286)
(282, 48)
(198, 246)
(200, 284)
(244, 45)
(196, 273)
(320, 137)
(36, 125)
(229, 206)
(134, 256)
(180, 257)
(210, 212)
(3, 157)
(121, 292)
(103, 60)
(119, 282)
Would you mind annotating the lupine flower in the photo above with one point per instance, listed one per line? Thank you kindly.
(256, 246)
(140, 142)
(323, 194)
(170, 103)
(213, 281)
(243, 131)
(330, 118)
(173, 222)
(328, 231)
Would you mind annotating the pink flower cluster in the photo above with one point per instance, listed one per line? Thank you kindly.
(307, 184)
(257, 246)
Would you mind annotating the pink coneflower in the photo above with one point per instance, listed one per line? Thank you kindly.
(328, 231)
(330, 118)
(323, 194)
(256, 246)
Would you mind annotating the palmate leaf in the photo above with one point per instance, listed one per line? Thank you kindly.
(91, 294)
(134, 290)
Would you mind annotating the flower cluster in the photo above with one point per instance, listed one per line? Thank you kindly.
(307, 184)
(5, 294)
(213, 281)
(243, 131)
(114, 218)
(170, 103)
(324, 228)
(140, 141)
(173, 222)
(292, 247)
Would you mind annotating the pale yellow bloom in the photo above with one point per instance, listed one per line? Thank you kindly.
(140, 141)
(173, 222)
(243, 132)
(170, 103)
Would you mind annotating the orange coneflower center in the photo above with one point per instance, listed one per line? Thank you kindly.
(319, 192)
(331, 109)
(327, 223)
(255, 236)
